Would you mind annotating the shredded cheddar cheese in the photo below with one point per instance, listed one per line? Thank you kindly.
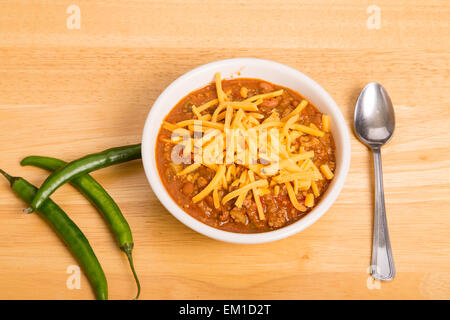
(326, 122)
(236, 177)
(293, 198)
(259, 97)
(326, 171)
(216, 198)
(315, 189)
(308, 130)
(210, 187)
(309, 200)
(256, 196)
(189, 169)
(297, 110)
(246, 188)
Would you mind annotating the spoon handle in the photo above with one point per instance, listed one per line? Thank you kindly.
(382, 267)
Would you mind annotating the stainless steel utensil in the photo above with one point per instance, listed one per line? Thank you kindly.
(374, 123)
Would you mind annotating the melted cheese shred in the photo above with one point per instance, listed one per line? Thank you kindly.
(246, 188)
(256, 196)
(210, 187)
(295, 171)
(293, 198)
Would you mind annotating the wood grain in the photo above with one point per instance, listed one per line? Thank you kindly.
(65, 93)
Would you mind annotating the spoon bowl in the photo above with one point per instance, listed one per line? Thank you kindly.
(374, 118)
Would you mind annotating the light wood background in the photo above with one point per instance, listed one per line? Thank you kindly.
(67, 93)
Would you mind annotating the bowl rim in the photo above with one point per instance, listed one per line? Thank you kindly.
(160, 191)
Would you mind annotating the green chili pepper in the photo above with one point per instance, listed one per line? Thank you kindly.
(68, 231)
(98, 196)
(80, 167)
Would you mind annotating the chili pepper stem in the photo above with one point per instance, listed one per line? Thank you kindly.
(11, 182)
(7, 176)
(127, 249)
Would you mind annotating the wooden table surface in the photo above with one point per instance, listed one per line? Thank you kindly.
(67, 92)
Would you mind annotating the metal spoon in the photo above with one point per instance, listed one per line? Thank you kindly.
(374, 123)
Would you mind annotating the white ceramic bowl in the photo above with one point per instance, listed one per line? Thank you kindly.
(247, 68)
